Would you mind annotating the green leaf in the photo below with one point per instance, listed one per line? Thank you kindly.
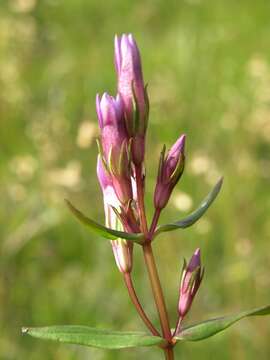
(87, 336)
(211, 327)
(103, 230)
(195, 215)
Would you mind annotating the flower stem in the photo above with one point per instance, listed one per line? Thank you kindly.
(151, 265)
(157, 290)
(154, 224)
(169, 355)
(137, 304)
(178, 326)
(140, 197)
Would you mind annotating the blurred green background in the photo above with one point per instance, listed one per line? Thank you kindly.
(208, 68)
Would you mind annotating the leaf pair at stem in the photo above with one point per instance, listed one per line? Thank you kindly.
(113, 234)
(107, 339)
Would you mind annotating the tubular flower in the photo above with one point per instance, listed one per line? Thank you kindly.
(133, 92)
(192, 275)
(115, 144)
(171, 168)
(122, 249)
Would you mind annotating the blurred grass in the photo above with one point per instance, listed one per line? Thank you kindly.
(208, 68)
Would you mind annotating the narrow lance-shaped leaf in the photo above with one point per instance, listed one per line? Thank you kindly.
(87, 336)
(195, 215)
(211, 327)
(101, 229)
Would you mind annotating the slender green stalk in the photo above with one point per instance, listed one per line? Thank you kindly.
(137, 304)
(157, 290)
(178, 326)
(169, 355)
(154, 224)
(151, 265)
(140, 196)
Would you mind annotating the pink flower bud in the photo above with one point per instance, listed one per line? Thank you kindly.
(122, 249)
(133, 92)
(115, 144)
(192, 275)
(171, 168)
(111, 122)
(130, 77)
(123, 254)
(106, 184)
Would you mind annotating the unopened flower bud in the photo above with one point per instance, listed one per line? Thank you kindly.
(122, 249)
(133, 92)
(192, 275)
(170, 170)
(106, 184)
(115, 144)
(123, 254)
(112, 124)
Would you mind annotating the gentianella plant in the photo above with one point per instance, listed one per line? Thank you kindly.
(121, 173)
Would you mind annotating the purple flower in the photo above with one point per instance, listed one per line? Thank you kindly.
(123, 254)
(115, 144)
(171, 168)
(132, 91)
(130, 77)
(122, 249)
(111, 122)
(192, 275)
(105, 181)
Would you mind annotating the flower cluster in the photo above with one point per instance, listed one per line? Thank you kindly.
(120, 168)
(123, 123)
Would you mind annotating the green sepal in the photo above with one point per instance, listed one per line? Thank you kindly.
(147, 107)
(104, 164)
(184, 268)
(179, 169)
(129, 123)
(99, 146)
(211, 327)
(117, 213)
(161, 163)
(110, 163)
(87, 336)
(195, 215)
(103, 230)
(122, 160)
(193, 277)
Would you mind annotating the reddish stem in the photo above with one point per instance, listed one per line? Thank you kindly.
(157, 290)
(137, 304)
(151, 265)
(178, 325)
(140, 197)
(154, 224)
(169, 353)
